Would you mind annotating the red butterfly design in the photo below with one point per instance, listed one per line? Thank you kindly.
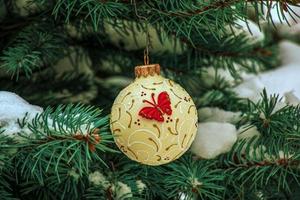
(157, 110)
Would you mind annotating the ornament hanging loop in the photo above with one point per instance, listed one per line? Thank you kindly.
(146, 57)
(148, 39)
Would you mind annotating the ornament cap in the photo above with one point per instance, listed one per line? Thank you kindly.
(146, 70)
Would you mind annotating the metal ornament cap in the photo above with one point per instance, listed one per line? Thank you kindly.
(146, 70)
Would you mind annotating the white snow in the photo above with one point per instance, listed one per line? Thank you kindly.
(183, 196)
(74, 174)
(246, 132)
(196, 183)
(261, 153)
(279, 16)
(280, 80)
(291, 99)
(249, 28)
(210, 74)
(141, 186)
(12, 108)
(250, 89)
(121, 191)
(214, 114)
(97, 178)
(213, 139)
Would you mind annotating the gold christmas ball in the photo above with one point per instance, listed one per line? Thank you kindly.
(154, 120)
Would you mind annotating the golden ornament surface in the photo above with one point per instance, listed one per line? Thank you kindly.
(154, 120)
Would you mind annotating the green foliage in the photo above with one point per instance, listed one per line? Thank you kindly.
(193, 179)
(273, 119)
(261, 162)
(181, 18)
(5, 190)
(123, 180)
(203, 25)
(70, 186)
(61, 140)
(35, 46)
(56, 154)
(62, 88)
(5, 166)
(92, 10)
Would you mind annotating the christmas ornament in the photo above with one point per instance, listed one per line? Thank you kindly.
(154, 120)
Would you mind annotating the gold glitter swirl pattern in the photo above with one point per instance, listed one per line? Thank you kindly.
(190, 139)
(156, 145)
(119, 116)
(158, 130)
(132, 102)
(191, 106)
(170, 131)
(158, 157)
(158, 83)
(175, 93)
(176, 128)
(129, 149)
(177, 156)
(176, 125)
(123, 149)
(147, 88)
(125, 96)
(176, 105)
(116, 130)
(168, 148)
(130, 120)
(183, 140)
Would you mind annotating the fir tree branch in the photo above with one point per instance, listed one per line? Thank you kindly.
(62, 139)
(61, 88)
(5, 166)
(223, 4)
(273, 156)
(26, 55)
(193, 179)
(206, 8)
(200, 15)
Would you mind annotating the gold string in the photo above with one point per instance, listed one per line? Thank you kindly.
(148, 41)
(146, 56)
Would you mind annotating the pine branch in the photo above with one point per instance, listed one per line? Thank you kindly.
(193, 179)
(93, 10)
(69, 137)
(206, 8)
(69, 87)
(5, 167)
(255, 162)
(117, 183)
(70, 187)
(270, 119)
(5, 190)
(26, 55)
(200, 17)
(224, 4)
